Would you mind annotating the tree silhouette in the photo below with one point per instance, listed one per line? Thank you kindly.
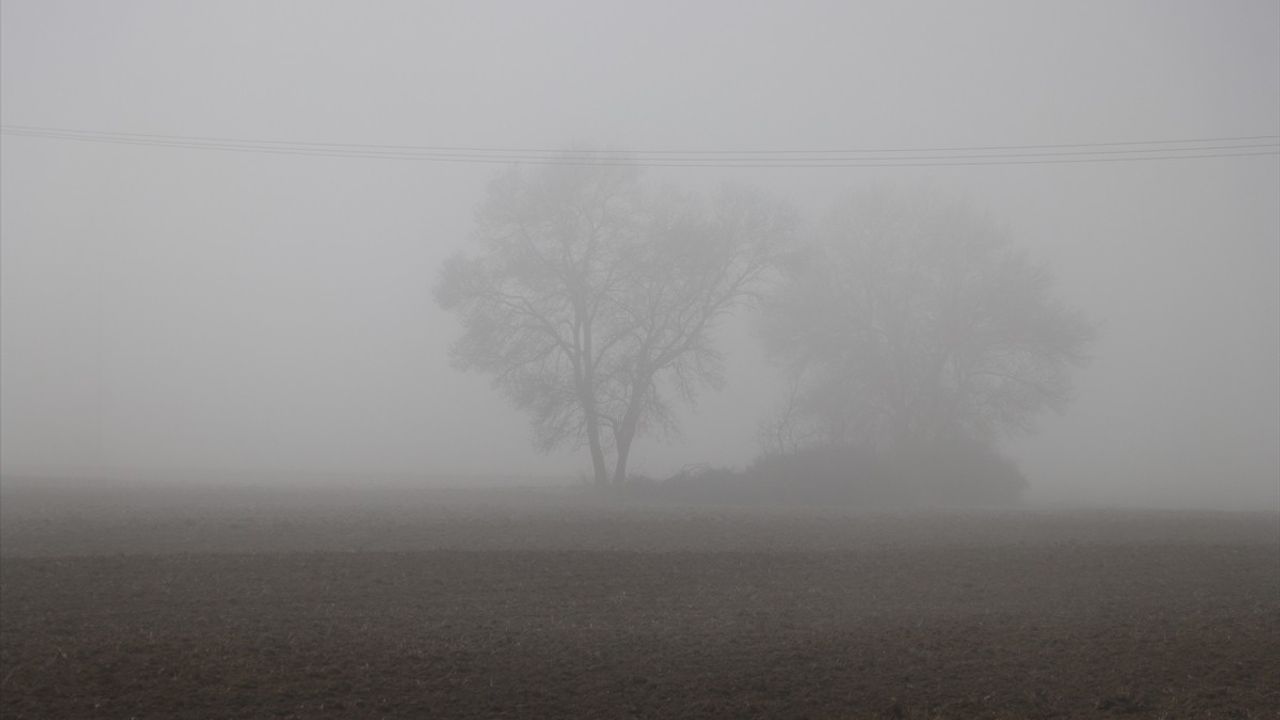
(593, 300)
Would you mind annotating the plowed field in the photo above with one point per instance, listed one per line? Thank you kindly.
(551, 609)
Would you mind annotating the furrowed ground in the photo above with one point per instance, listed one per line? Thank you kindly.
(137, 602)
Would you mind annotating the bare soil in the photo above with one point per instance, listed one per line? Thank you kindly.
(489, 606)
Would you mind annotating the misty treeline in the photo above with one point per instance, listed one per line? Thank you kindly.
(912, 332)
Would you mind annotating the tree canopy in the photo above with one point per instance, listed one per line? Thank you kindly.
(592, 299)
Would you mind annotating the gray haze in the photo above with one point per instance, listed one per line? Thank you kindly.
(172, 310)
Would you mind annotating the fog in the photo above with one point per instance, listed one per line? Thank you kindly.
(179, 312)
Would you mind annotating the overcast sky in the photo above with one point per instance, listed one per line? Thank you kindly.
(175, 309)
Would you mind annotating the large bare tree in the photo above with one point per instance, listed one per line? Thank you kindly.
(592, 300)
(911, 319)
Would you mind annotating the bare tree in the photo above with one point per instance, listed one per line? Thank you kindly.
(912, 320)
(593, 301)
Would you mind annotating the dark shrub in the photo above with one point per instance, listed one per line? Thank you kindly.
(961, 472)
(829, 474)
(957, 473)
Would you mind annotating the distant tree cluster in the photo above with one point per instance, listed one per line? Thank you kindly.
(911, 322)
(914, 334)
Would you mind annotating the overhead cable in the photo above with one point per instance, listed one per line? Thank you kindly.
(1056, 153)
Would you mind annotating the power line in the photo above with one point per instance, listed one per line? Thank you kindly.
(1057, 153)
(1270, 139)
(1203, 144)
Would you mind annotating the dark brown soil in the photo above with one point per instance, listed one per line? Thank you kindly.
(1018, 615)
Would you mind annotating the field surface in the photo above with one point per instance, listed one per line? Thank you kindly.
(133, 602)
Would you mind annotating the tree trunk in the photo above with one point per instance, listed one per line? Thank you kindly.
(597, 451)
(587, 397)
(623, 439)
(626, 432)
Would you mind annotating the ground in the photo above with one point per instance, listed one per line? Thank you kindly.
(339, 603)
